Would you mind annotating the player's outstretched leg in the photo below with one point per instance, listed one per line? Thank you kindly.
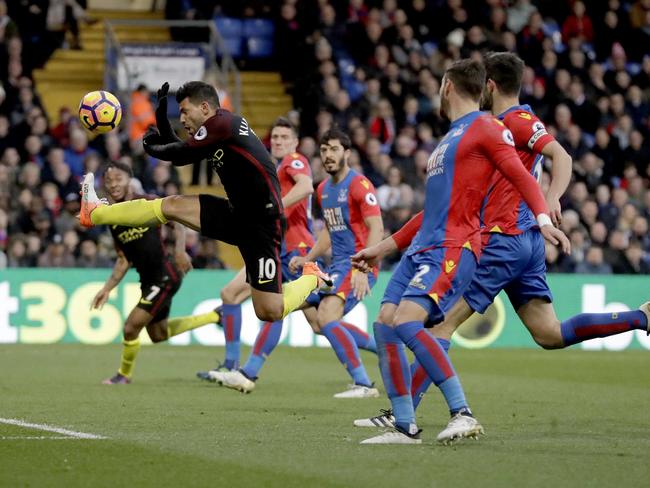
(396, 375)
(296, 292)
(178, 325)
(159, 331)
(95, 211)
(546, 329)
(587, 326)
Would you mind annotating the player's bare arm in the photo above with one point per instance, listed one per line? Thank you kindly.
(119, 270)
(303, 187)
(370, 257)
(359, 281)
(322, 245)
(561, 170)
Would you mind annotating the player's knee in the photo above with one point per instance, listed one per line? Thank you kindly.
(269, 311)
(158, 334)
(325, 316)
(550, 337)
(386, 314)
(228, 296)
(171, 205)
(131, 331)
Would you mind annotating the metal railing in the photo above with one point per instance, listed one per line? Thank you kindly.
(226, 70)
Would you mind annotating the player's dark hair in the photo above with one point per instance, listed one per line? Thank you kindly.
(468, 77)
(506, 70)
(197, 92)
(121, 166)
(336, 134)
(284, 122)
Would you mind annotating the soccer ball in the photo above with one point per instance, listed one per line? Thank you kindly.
(100, 112)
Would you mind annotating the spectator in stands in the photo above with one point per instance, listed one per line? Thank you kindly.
(141, 113)
(76, 152)
(593, 263)
(55, 255)
(89, 256)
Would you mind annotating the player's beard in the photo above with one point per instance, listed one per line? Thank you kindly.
(335, 169)
(487, 100)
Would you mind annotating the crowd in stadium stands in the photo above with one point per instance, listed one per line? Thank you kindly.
(374, 68)
(41, 165)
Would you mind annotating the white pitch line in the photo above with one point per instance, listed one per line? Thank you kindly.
(35, 437)
(50, 428)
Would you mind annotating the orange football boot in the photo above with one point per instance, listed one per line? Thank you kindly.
(311, 268)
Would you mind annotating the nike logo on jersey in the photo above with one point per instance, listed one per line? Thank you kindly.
(145, 302)
(449, 266)
(262, 282)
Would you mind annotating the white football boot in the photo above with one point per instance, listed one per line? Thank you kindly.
(396, 436)
(358, 391)
(386, 419)
(233, 379)
(460, 426)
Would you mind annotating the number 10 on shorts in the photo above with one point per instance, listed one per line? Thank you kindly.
(267, 268)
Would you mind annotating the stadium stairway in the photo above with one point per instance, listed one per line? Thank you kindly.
(263, 99)
(69, 74)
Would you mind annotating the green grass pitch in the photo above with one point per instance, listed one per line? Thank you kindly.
(565, 418)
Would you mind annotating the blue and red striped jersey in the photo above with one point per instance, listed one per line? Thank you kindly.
(345, 205)
(459, 173)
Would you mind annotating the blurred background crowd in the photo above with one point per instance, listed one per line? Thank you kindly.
(373, 68)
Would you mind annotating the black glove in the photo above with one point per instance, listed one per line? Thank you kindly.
(163, 91)
(166, 132)
(151, 137)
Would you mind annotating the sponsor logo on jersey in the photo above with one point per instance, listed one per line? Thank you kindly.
(297, 164)
(132, 234)
(436, 163)
(365, 184)
(201, 134)
(216, 160)
(507, 137)
(525, 115)
(371, 199)
(334, 219)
